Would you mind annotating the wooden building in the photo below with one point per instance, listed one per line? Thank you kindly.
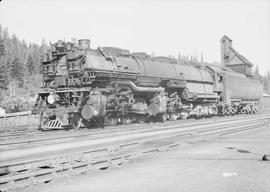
(233, 59)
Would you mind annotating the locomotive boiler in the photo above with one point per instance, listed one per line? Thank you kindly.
(108, 86)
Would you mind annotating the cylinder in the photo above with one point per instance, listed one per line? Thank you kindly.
(89, 111)
(84, 44)
(95, 106)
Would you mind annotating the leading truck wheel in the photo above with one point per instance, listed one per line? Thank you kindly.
(183, 115)
(111, 119)
(75, 121)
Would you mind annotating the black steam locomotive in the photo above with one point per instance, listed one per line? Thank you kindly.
(109, 86)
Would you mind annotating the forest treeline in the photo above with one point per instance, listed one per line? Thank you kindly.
(19, 62)
(21, 67)
(264, 79)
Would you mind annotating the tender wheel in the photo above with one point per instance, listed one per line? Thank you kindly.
(173, 116)
(111, 119)
(234, 111)
(75, 121)
(226, 112)
(183, 115)
(248, 109)
(254, 110)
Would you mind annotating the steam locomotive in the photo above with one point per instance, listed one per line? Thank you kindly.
(109, 86)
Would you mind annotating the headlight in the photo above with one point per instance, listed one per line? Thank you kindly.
(51, 99)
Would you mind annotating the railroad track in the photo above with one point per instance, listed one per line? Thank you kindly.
(32, 166)
(34, 135)
(51, 137)
(31, 128)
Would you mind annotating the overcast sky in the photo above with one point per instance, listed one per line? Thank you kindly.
(163, 27)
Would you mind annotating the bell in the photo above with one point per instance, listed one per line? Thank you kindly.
(68, 47)
(60, 43)
(84, 44)
(50, 68)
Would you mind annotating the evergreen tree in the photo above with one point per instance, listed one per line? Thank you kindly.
(30, 65)
(2, 47)
(256, 71)
(268, 82)
(16, 70)
(3, 72)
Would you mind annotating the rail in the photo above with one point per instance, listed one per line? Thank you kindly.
(45, 163)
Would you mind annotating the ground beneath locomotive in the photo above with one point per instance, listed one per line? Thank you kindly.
(228, 163)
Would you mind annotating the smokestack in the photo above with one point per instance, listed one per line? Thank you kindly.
(73, 40)
(84, 44)
(201, 57)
